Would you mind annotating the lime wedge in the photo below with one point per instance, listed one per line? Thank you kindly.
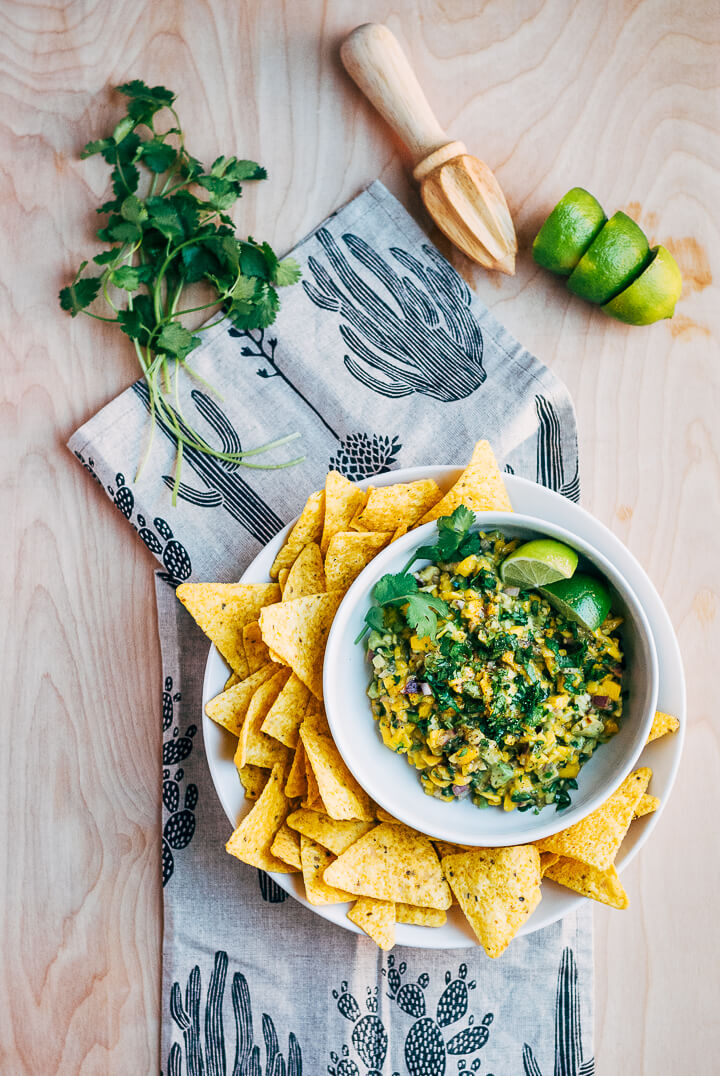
(652, 295)
(538, 562)
(583, 599)
(568, 231)
(615, 257)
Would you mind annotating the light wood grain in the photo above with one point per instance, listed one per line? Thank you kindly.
(620, 97)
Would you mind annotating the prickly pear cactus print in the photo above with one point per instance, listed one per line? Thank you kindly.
(429, 1041)
(214, 1055)
(361, 456)
(270, 891)
(179, 806)
(568, 1033)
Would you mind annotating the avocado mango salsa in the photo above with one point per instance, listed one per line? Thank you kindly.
(508, 701)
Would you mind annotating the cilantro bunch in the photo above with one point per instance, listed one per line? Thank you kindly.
(167, 228)
(402, 590)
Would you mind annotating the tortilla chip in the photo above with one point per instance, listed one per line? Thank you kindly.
(253, 779)
(547, 860)
(421, 917)
(230, 706)
(287, 712)
(254, 746)
(232, 679)
(392, 862)
(401, 530)
(385, 816)
(342, 500)
(253, 838)
(389, 507)
(282, 578)
(255, 650)
(596, 839)
(307, 575)
(348, 553)
(312, 798)
(340, 793)
(498, 889)
(376, 918)
(223, 609)
(296, 783)
(662, 724)
(314, 861)
(480, 487)
(445, 848)
(646, 805)
(354, 524)
(286, 847)
(307, 529)
(331, 834)
(297, 632)
(604, 886)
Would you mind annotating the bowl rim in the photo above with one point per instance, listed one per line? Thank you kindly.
(536, 828)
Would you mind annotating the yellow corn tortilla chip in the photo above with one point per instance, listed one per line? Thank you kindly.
(547, 860)
(445, 848)
(297, 632)
(498, 889)
(662, 724)
(286, 714)
(286, 847)
(354, 524)
(348, 553)
(646, 805)
(392, 862)
(255, 650)
(389, 507)
(253, 779)
(342, 500)
(385, 816)
(254, 746)
(480, 487)
(376, 918)
(253, 838)
(307, 575)
(282, 578)
(604, 886)
(340, 793)
(223, 609)
(307, 529)
(401, 530)
(314, 861)
(596, 839)
(232, 679)
(421, 917)
(312, 796)
(229, 708)
(331, 834)
(296, 783)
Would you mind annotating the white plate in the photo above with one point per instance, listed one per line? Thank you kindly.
(663, 756)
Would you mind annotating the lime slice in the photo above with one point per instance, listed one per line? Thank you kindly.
(652, 295)
(583, 599)
(568, 231)
(539, 562)
(615, 257)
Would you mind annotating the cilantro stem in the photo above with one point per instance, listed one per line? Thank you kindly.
(98, 317)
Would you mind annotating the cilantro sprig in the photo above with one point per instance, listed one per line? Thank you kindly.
(420, 609)
(168, 228)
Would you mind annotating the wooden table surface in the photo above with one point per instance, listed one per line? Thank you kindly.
(619, 97)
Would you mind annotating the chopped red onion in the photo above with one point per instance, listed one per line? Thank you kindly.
(425, 688)
(370, 655)
(600, 702)
(411, 686)
(459, 603)
(460, 791)
(512, 592)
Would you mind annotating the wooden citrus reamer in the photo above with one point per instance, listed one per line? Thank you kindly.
(460, 192)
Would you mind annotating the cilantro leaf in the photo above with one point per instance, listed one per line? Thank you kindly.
(158, 155)
(422, 613)
(101, 146)
(421, 610)
(76, 296)
(175, 339)
(139, 89)
(130, 277)
(452, 532)
(139, 322)
(287, 272)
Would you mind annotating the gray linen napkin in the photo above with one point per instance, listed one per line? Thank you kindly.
(381, 358)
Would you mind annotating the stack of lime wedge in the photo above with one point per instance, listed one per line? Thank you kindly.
(608, 262)
(549, 567)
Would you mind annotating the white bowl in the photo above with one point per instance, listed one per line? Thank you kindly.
(663, 756)
(395, 784)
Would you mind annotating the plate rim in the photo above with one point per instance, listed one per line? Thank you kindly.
(433, 938)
